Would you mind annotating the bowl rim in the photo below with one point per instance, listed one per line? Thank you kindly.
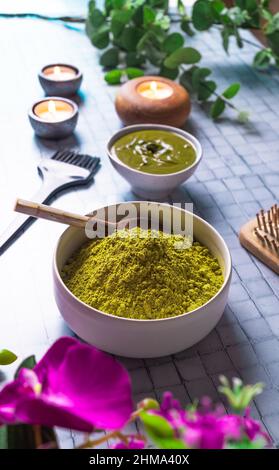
(60, 64)
(152, 320)
(175, 130)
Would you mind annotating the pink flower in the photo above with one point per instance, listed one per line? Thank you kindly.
(133, 443)
(73, 386)
(208, 428)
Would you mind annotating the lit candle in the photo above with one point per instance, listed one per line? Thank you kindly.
(53, 110)
(60, 72)
(60, 79)
(54, 117)
(155, 90)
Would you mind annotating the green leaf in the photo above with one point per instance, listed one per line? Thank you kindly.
(130, 38)
(133, 59)
(137, 16)
(7, 357)
(231, 91)
(100, 38)
(186, 80)
(119, 19)
(113, 77)
(133, 72)
(157, 425)
(199, 74)
(110, 58)
(226, 33)
(217, 108)
(273, 42)
(118, 4)
(173, 42)
(206, 89)
(28, 363)
(149, 15)
(184, 55)
(172, 74)
(185, 25)
(181, 7)
(202, 15)
(97, 18)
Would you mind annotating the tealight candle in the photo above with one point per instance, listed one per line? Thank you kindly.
(154, 90)
(153, 100)
(60, 79)
(53, 110)
(59, 72)
(54, 117)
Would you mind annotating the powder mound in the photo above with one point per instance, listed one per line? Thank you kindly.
(143, 275)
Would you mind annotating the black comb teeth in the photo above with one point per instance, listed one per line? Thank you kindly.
(78, 159)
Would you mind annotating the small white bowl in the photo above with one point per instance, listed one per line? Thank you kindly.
(142, 338)
(147, 185)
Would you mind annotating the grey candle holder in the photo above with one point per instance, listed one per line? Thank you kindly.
(60, 87)
(53, 130)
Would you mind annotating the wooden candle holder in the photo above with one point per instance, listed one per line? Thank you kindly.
(133, 108)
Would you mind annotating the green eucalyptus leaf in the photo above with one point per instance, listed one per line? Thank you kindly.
(217, 7)
(181, 7)
(231, 91)
(97, 18)
(118, 20)
(202, 15)
(185, 80)
(262, 59)
(100, 38)
(133, 72)
(184, 55)
(173, 42)
(273, 42)
(172, 74)
(206, 89)
(217, 108)
(137, 16)
(110, 58)
(113, 77)
(149, 15)
(118, 4)
(199, 75)
(226, 33)
(134, 59)
(185, 25)
(7, 357)
(28, 363)
(130, 38)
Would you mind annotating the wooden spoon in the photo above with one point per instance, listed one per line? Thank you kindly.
(42, 211)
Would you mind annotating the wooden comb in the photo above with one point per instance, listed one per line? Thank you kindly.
(261, 237)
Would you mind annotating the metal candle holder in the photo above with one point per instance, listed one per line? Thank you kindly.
(54, 87)
(53, 130)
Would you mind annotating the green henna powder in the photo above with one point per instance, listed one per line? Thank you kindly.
(143, 278)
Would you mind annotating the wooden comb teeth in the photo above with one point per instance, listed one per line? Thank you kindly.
(267, 230)
(261, 237)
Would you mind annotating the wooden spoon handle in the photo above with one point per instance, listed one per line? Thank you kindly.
(41, 211)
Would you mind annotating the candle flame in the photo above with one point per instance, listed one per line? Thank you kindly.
(153, 86)
(57, 70)
(51, 107)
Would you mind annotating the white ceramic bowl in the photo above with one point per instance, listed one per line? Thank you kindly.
(142, 338)
(154, 187)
